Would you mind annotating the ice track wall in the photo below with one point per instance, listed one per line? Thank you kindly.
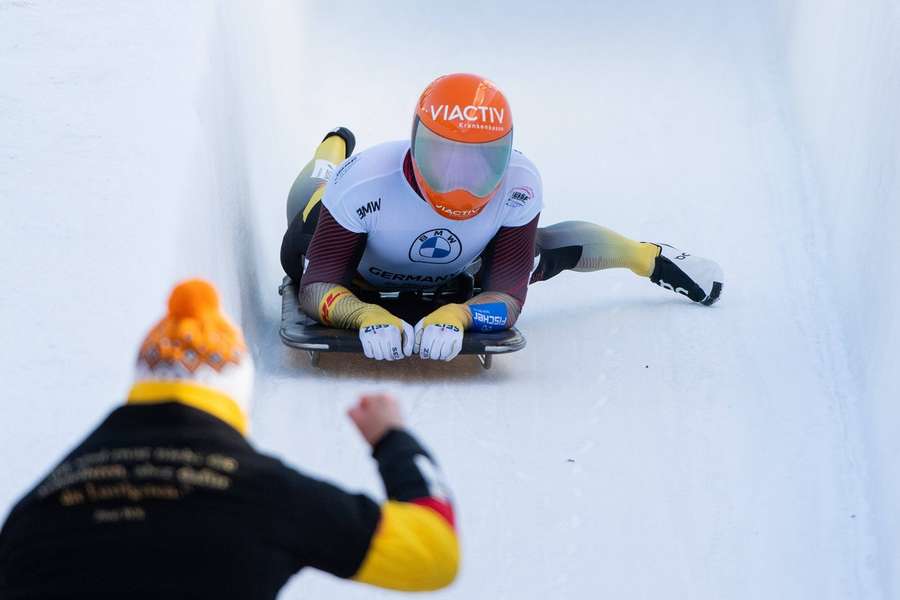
(133, 143)
(843, 61)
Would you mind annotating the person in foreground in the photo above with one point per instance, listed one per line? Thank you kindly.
(453, 199)
(168, 499)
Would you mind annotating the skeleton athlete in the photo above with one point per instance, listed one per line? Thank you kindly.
(454, 199)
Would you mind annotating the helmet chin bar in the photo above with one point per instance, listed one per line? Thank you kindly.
(456, 205)
(454, 214)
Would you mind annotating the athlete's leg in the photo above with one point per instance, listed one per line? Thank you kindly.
(582, 246)
(304, 199)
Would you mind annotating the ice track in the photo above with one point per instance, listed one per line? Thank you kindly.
(639, 447)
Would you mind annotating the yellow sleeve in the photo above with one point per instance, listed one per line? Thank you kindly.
(414, 549)
(339, 307)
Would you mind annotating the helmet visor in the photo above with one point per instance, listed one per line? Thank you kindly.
(448, 165)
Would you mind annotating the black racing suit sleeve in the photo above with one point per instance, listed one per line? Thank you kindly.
(333, 253)
(395, 454)
(294, 246)
(508, 260)
(335, 528)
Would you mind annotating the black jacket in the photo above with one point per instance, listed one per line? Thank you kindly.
(166, 501)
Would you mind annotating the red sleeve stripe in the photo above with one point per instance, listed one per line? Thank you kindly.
(441, 507)
(508, 264)
(410, 175)
(333, 253)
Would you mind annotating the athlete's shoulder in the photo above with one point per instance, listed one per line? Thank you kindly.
(381, 160)
(362, 177)
(523, 193)
(520, 165)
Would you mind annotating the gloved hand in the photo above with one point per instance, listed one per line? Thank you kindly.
(375, 415)
(384, 336)
(439, 336)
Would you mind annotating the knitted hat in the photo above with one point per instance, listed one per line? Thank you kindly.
(197, 357)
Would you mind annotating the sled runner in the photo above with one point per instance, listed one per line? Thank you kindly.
(304, 333)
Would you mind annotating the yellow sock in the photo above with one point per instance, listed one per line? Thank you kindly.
(332, 150)
(644, 259)
(603, 248)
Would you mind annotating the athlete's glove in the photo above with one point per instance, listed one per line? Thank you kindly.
(698, 278)
(384, 336)
(439, 336)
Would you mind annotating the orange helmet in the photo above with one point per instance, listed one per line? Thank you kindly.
(461, 143)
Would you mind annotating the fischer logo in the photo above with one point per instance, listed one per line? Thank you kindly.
(476, 117)
(489, 320)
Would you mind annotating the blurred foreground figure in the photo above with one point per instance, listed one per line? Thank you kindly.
(167, 499)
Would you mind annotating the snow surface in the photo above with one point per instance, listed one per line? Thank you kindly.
(640, 446)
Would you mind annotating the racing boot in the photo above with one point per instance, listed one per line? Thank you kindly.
(698, 278)
(305, 198)
(306, 192)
